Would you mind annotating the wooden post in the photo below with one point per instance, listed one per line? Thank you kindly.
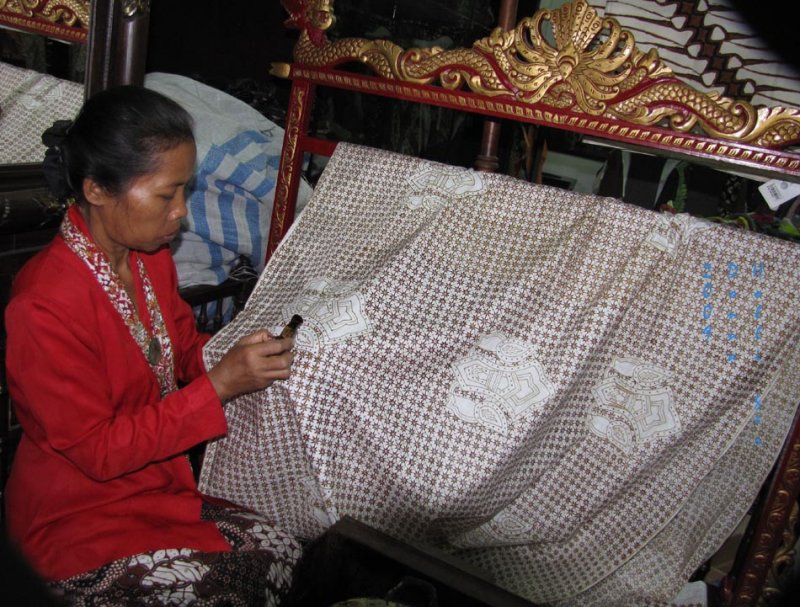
(117, 44)
(487, 158)
(297, 119)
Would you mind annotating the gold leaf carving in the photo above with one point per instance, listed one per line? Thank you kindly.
(73, 13)
(592, 67)
(134, 7)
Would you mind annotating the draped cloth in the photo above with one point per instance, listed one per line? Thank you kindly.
(29, 103)
(713, 45)
(578, 396)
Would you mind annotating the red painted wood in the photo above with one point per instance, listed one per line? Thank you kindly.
(487, 157)
(44, 27)
(744, 585)
(297, 119)
(775, 163)
(318, 147)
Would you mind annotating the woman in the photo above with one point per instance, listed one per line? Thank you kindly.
(101, 497)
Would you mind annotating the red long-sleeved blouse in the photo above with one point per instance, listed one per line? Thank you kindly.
(100, 472)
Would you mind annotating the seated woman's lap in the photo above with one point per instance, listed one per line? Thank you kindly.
(258, 570)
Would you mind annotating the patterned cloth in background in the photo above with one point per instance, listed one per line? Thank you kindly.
(258, 570)
(709, 45)
(29, 104)
(579, 396)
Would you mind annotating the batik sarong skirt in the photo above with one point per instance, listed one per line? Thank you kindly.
(258, 570)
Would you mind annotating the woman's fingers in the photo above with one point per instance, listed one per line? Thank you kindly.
(272, 347)
(261, 359)
(255, 338)
(252, 365)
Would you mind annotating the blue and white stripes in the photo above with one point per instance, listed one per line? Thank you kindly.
(238, 153)
(231, 205)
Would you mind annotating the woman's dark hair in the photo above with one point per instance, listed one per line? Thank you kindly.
(115, 139)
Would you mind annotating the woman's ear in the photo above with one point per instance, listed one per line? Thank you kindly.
(94, 193)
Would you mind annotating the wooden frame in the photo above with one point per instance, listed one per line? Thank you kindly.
(593, 80)
(326, 571)
(117, 44)
(66, 20)
(114, 30)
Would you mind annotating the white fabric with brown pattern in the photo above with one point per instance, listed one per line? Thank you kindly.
(559, 388)
(29, 104)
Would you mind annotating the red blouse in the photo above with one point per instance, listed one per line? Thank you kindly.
(100, 472)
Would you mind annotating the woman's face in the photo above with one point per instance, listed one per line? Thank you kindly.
(148, 214)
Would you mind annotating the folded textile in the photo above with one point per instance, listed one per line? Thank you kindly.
(710, 45)
(29, 104)
(579, 396)
(230, 208)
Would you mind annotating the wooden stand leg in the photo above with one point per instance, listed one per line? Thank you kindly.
(746, 583)
(487, 159)
(297, 120)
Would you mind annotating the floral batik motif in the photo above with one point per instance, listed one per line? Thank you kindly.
(257, 571)
(554, 387)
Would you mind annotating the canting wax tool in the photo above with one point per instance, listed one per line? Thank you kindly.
(291, 327)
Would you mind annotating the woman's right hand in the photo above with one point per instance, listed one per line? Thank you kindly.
(252, 364)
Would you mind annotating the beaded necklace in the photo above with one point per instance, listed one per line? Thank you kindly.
(156, 348)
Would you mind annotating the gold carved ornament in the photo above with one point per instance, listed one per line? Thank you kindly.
(765, 557)
(132, 7)
(296, 107)
(72, 13)
(780, 571)
(593, 68)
